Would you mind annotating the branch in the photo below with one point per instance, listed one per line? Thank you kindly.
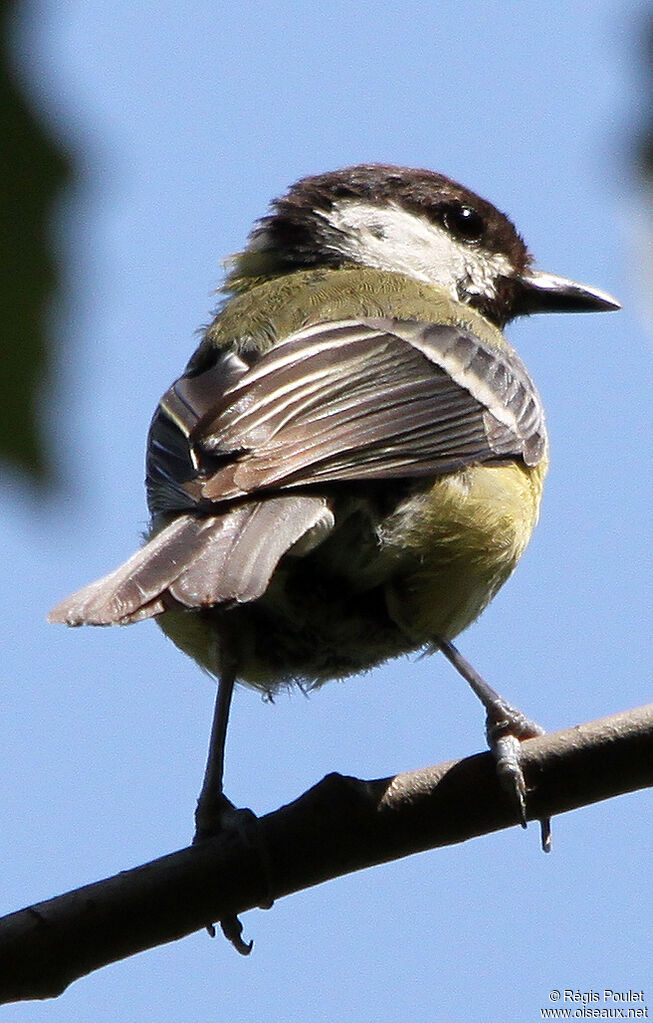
(338, 826)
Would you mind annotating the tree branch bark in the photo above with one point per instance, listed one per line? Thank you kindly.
(340, 825)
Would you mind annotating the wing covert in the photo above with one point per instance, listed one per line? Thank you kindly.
(350, 400)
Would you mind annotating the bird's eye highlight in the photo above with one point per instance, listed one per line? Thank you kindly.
(464, 222)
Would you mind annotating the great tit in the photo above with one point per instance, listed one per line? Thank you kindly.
(352, 462)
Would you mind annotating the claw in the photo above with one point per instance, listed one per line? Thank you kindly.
(545, 834)
(232, 929)
(511, 776)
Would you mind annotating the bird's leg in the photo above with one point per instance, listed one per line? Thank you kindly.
(214, 812)
(506, 727)
(212, 804)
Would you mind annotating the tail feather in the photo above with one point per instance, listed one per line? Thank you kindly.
(199, 561)
(237, 560)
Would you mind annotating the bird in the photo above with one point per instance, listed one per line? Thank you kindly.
(351, 464)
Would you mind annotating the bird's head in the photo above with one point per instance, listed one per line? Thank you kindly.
(413, 222)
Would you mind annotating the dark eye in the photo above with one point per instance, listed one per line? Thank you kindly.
(464, 222)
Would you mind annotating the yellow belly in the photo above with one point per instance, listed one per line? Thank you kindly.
(466, 535)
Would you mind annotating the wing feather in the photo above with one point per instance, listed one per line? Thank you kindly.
(353, 401)
(235, 440)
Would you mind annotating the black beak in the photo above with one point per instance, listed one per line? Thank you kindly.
(540, 292)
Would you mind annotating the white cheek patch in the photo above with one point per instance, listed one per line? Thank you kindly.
(392, 238)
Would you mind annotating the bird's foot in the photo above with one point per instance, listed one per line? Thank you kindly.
(213, 818)
(216, 814)
(506, 728)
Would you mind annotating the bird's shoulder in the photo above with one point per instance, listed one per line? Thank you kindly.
(271, 310)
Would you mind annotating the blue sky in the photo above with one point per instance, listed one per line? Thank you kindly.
(185, 120)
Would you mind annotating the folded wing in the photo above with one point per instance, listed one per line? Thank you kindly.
(235, 447)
